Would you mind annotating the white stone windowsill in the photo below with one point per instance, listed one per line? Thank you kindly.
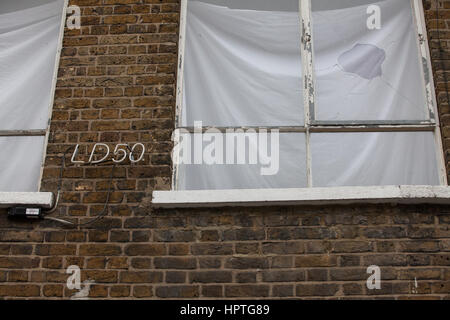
(27, 199)
(304, 196)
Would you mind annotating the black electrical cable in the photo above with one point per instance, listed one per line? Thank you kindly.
(58, 193)
(66, 222)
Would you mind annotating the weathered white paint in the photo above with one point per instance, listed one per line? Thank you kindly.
(307, 56)
(33, 199)
(304, 196)
(429, 86)
(179, 92)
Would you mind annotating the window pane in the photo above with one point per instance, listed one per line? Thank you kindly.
(20, 163)
(373, 159)
(242, 64)
(29, 33)
(287, 170)
(362, 73)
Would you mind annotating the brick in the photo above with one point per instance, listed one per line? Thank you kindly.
(420, 274)
(174, 235)
(142, 291)
(175, 277)
(244, 234)
(76, 236)
(98, 236)
(419, 246)
(418, 260)
(145, 250)
(21, 249)
(247, 248)
(118, 263)
(98, 291)
(349, 260)
(283, 291)
(283, 276)
(237, 291)
(140, 236)
(53, 290)
(211, 249)
(441, 287)
(19, 290)
(317, 274)
(283, 248)
(119, 236)
(141, 277)
(246, 277)
(247, 263)
(140, 223)
(352, 246)
(120, 291)
(353, 289)
(385, 260)
(18, 276)
(96, 263)
(352, 274)
(441, 260)
(209, 263)
(177, 292)
(281, 262)
(52, 263)
(175, 263)
(307, 261)
(141, 263)
(21, 236)
(300, 233)
(319, 289)
(385, 232)
(99, 276)
(213, 291)
(179, 249)
(18, 263)
(100, 250)
(210, 277)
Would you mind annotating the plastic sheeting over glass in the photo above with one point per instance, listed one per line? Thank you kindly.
(29, 34)
(242, 67)
(362, 73)
(374, 159)
(242, 64)
(28, 46)
(20, 163)
(287, 170)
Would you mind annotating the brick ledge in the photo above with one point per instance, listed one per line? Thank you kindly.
(38, 199)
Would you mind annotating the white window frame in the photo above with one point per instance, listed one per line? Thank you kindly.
(312, 195)
(42, 199)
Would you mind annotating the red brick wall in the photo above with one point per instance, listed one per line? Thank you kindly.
(437, 14)
(116, 84)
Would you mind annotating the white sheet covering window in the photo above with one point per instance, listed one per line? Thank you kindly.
(291, 171)
(374, 159)
(364, 74)
(29, 35)
(242, 68)
(20, 163)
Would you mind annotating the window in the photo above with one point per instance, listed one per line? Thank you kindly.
(346, 85)
(30, 35)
